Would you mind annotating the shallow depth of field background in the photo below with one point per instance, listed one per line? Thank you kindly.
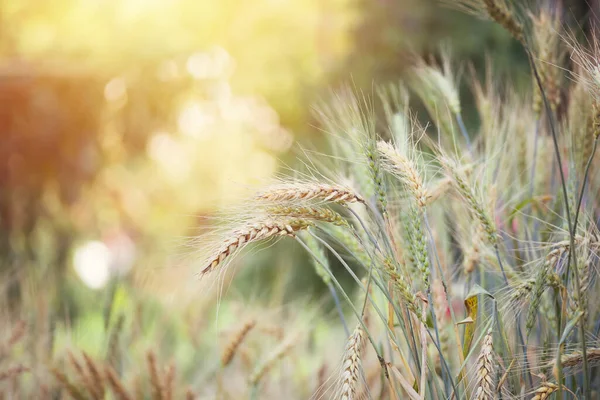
(125, 124)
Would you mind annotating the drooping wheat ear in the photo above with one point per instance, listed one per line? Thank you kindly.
(12, 372)
(254, 233)
(575, 360)
(541, 282)
(522, 290)
(278, 354)
(402, 286)
(544, 391)
(405, 169)
(485, 370)
(476, 206)
(116, 385)
(351, 364)
(499, 12)
(310, 191)
(314, 213)
(236, 341)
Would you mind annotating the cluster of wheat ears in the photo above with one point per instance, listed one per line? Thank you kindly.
(474, 253)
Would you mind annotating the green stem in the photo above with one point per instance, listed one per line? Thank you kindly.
(559, 368)
(586, 371)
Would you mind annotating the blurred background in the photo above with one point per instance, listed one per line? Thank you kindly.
(125, 123)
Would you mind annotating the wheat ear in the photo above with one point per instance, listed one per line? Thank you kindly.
(236, 341)
(544, 391)
(279, 353)
(116, 385)
(313, 213)
(311, 191)
(95, 374)
(406, 170)
(499, 12)
(485, 370)
(351, 364)
(253, 233)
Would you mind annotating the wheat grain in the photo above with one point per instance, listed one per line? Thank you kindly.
(544, 391)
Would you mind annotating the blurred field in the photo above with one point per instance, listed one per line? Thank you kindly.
(124, 126)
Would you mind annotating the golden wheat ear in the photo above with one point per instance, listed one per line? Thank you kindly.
(253, 233)
(485, 387)
(310, 191)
